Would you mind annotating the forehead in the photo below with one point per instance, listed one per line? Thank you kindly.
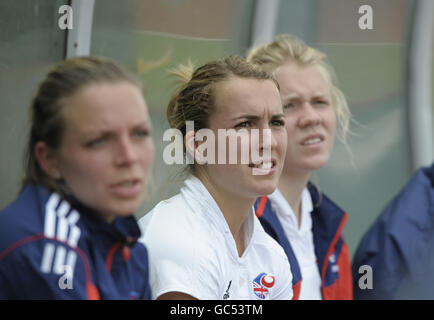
(240, 95)
(105, 106)
(293, 78)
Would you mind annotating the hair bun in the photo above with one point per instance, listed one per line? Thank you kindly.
(183, 73)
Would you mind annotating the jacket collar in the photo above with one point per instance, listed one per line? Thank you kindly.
(328, 221)
(123, 229)
(273, 227)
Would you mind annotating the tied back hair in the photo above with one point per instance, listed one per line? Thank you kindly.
(182, 76)
(194, 100)
(195, 96)
(47, 120)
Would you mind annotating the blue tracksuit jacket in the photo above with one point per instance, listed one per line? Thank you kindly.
(50, 249)
(399, 246)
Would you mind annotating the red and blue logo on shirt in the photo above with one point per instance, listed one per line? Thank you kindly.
(262, 285)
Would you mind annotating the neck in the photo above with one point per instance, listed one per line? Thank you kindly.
(291, 186)
(234, 209)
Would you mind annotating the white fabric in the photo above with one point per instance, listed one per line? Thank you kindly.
(301, 240)
(191, 250)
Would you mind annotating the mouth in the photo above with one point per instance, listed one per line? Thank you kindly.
(128, 188)
(312, 140)
(264, 165)
(264, 168)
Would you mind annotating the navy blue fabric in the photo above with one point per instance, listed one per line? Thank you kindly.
(272, 226)
(23, 241)
(399, 246)
(326, 220)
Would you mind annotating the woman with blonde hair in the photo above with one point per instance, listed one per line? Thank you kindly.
(306, 223)
(71, 233)
(206, 242)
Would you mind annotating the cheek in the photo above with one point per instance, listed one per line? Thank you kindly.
(290, 132)
(290, 123)
(330, 123)
(233, 148)
(148, 152)
(84, 170)
(282, 139)
(329, 116)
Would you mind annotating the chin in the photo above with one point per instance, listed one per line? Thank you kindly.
(318, 163)
(124, 209)
(306, 165)
(265, 188)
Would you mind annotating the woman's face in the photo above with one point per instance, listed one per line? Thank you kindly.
(107, 148)
(246, 105)
(310, 118)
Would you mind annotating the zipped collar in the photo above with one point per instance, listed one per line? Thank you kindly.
(124, 229)
(328, 221)
(327, 218)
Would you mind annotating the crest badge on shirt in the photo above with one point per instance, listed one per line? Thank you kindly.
(262, 285)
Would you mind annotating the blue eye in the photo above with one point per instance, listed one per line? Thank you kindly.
(288, 105)
(95, 142)
(321, 100)
(142, 133)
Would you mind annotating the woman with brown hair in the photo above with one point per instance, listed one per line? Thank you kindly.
(205, 242)
(71, 233)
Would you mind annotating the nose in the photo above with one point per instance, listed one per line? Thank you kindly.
(267, 140)
(309, 116)
(125, 152)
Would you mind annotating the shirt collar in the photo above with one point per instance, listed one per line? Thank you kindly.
(284, 211)
(196, 192)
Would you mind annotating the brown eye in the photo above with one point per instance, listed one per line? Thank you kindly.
(278, 123)
(96, 142)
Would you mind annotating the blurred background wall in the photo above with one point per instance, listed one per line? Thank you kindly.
(151, 36)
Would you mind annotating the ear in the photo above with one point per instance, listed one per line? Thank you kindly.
(191, 147)
(190, 144)
(47, 160)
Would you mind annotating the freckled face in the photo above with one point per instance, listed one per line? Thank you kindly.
(107, 148)
(310, 118)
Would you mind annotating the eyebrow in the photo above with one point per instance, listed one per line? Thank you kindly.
(315, 94)
(103, 131)
(246, 116)
(254, 117)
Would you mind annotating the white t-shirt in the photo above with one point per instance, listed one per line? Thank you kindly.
(191, 250)
(301, 240)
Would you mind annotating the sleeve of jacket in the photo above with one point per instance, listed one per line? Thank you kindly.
(43, 269)
(377, 265)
